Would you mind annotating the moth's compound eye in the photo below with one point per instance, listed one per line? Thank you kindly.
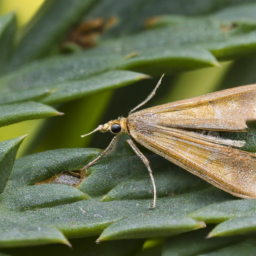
(116, 128)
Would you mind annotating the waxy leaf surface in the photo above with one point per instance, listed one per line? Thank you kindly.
(18, 112)
(69, 210)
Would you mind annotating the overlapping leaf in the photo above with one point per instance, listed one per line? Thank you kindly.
(130, 16)
(19, 234)
(181, 44)
(236, 217)
(8, 150)
(66, 208)
(195, 244)
(244, 248)
(224, 38)
(46, 30)
(78, 89)
(57, 70)
(54, 19)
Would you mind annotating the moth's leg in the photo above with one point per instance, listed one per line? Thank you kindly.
(146, 162)
(111, 147)
(149, 96)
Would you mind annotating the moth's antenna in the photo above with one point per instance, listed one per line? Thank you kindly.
(99, 128)
(150, 96)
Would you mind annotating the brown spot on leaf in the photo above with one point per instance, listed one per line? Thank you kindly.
(68, 178)
(151, 21)
(227, 27)
(87, 33)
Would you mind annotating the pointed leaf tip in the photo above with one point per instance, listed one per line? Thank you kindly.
(216, 64)
(8, 151)
(68, 243)
(98, 241)
(106, 198)
(201, 224)
(210, 235)
(23, 136)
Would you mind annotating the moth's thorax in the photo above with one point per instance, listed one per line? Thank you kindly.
(123, 123)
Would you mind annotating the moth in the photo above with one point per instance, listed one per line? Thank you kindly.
(186, 133)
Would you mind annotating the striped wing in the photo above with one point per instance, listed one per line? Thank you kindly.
(226, 110)
(225, 167)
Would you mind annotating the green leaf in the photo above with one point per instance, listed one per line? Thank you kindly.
(47, 29)
(249, 137)
(220, 212)
(244, 14)
(23, 95)
(160, 222)
(170, 60)
(134, 182)
(46, 74)
(221, 37)
(18, 112)
(37, 167)
(240, 225)
(245, 248)
(55, 74)
(169, 218)
(77, 89)
(237, 217)
(16, 233)
(187, 56)
(8, 151)
(142, 227)
(42, 205)
(194, 243)
(90, 217)
(40, 196)
(7, 32)
(131, 15)
(190, 50)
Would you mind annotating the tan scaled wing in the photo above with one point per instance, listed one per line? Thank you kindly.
(227, 168)
(226, 110)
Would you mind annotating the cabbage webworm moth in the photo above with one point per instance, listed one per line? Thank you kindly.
(186, 133)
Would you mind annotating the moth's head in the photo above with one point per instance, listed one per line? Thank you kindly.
(114, 126)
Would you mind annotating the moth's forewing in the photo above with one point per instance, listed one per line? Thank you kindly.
(226, 110)
(228, 168)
